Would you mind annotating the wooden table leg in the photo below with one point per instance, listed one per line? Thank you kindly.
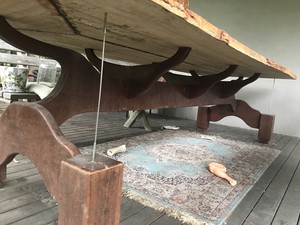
(266, 126)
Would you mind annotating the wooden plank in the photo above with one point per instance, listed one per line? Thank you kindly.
(145, 217)
(19, 201)
(282, 142)
(21, 161)
(166, 220)
(24, 211)
(135, 35)
(19, 167)
(45, 217)
(253, 196)
(25, 173)
(129, 208)
(266, 208)
(275, 137)
(288, 211)
(20, 181)
(10, 192)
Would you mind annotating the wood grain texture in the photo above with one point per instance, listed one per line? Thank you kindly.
(90, 192)
(138, 31)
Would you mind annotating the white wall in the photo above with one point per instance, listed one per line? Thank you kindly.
(272, 28)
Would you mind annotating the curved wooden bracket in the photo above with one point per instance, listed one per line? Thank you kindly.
(229, 88)
(249, 115)
(253, 118)
(195, 85)
(21, 125)
(64, 101)
(141, 78)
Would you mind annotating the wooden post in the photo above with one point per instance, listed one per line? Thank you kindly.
(3, 170)
(202, 118)
(266, 126)
(90, 192)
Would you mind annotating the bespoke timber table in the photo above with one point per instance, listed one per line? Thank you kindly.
(159, 37)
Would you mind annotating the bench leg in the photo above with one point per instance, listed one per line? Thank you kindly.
(266, 126)
(134, 115)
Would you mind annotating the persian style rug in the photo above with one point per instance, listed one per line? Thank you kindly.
(167, 170)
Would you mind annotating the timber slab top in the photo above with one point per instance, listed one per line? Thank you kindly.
(138, 31)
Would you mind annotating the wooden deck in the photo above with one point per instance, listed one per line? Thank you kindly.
(275, 198)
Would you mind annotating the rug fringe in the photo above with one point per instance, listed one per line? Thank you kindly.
(153, 203)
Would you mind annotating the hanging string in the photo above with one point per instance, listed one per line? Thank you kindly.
(271, 100)
(100, 88)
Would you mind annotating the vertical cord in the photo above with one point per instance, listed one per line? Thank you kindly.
(100, 88)
(271, 100)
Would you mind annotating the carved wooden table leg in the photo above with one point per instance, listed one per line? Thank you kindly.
(29, 129)
(90, 192)
(250, 116)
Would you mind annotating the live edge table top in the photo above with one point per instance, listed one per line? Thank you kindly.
(138, 31)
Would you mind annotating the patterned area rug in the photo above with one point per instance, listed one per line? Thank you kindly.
(167, 170)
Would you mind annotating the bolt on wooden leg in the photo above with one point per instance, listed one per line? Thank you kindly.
(90, 192)
(133, 115)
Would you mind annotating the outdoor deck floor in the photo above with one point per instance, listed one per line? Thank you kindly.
(274, 199)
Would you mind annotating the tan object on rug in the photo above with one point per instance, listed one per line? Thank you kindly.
(113, 151)
(220, 171)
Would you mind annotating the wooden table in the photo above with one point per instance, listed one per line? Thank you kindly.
(139, 32)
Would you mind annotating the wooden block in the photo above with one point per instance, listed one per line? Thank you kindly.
(202, 118)
(266, 126)
(3, 171)
(90, 192)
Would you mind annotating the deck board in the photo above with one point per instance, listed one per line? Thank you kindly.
(273, 198)
(145, 216)
(266, 208)
(288, 211)
(254, 196)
